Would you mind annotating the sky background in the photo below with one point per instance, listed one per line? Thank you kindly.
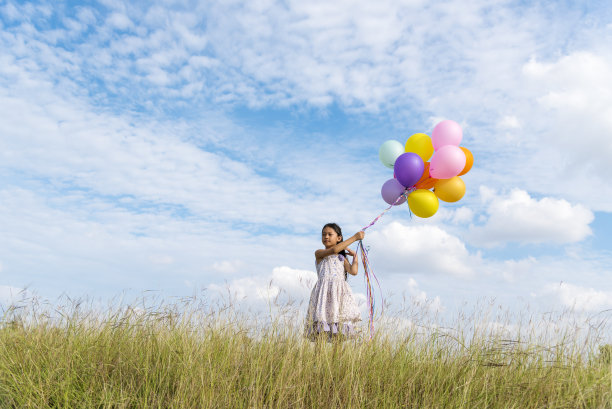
(198, 147)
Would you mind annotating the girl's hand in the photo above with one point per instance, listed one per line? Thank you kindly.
(350, 252)
(359, 235)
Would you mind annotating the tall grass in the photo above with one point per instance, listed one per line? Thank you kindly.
(192, 355)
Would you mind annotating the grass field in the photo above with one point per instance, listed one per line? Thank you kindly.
(188, 355)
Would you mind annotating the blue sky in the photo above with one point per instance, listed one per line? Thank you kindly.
(190, 146)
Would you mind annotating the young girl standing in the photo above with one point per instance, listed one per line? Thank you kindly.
(332, 310)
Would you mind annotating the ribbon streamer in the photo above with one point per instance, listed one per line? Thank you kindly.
(368, 272)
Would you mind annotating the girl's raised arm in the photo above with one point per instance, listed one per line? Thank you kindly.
(322, 253)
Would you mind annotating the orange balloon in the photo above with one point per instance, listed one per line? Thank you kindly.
(425, 182)
(425, 174)
(469, 161)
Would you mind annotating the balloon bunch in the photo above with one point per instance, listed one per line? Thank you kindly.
(414, 177)
(415, 174)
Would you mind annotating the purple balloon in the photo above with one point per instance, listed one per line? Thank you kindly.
(408, 168)
(391, 190)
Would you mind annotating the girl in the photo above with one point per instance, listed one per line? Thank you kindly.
(332, 310)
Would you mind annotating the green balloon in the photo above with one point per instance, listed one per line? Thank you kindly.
(389, 151)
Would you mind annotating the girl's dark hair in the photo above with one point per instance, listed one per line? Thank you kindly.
(338, 231)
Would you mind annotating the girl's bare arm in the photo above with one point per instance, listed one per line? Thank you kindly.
(322, 253)
(353, 267)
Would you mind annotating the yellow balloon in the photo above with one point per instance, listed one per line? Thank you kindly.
(423, 203)
(450, 190)
(420, 144)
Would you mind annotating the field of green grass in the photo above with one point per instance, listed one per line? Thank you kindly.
(214, 357)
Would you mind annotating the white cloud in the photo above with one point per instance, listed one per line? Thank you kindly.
(119, 21)
(162, 163)
(86, 15)
(579, 297)
(297, 284)
(78, 242)
(107, 193)
(283, 285)
(10, 12)
(510, 122)
(518, 217)
(511, 270)
(322, 53)
(460, 215)
(76, 147)
(573, 118)
(248, 290)
(228, 266)
(364, 55)
(421, 249)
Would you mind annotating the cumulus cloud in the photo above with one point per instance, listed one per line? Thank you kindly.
(580, 297)
(518, 217)
(572, 125)
(455, 216)
(421, 249)
(283, 285)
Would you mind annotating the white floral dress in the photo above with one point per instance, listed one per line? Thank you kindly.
(332, 308)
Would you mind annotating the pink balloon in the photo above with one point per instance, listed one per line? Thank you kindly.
(446, 162)
(446, 133)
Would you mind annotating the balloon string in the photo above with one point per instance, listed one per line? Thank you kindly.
(404, 195)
